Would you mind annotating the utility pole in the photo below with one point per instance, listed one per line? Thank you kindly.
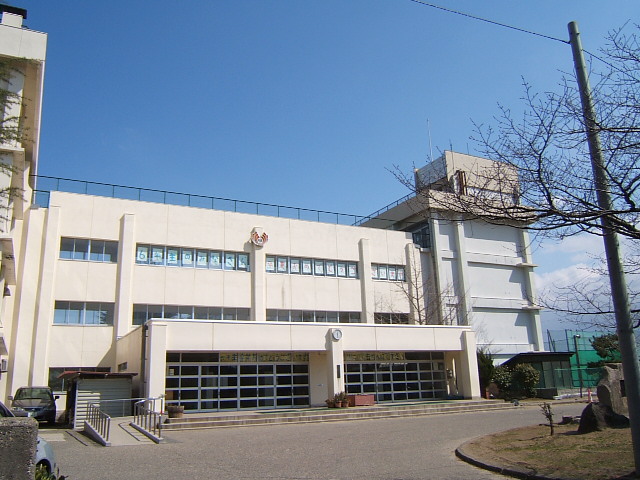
(575, 344)
(624, 326)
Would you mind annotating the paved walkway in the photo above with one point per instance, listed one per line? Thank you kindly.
(414, 448)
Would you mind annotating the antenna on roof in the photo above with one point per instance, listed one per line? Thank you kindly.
(430, 147)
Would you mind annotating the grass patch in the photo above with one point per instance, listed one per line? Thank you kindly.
(594, 456)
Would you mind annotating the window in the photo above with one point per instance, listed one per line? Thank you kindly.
(391, 318)
(330, 268)
(80, 313)
(177, 257)
(283, 265)
(85, 249)
(187, 257)
(318, 267)
(271, 264)
(306, 266)
(173, 256)
(229, 261)
(294, 265)
(311, 316)
(215, 260)
(202, 259)
(157, 255)
(394, 273)
(422, 236)
(311, 266)
(143, 312)
(142, 254)
(243, 261)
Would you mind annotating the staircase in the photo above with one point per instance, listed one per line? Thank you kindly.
(195, 421)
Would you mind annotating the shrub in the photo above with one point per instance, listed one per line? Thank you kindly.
(519, 381)
(502, 378)
(524, 380)
(42, 474)
(485, 368)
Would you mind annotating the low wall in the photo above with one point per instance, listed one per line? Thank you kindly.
(18, 437)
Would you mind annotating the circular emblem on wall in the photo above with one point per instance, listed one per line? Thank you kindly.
(336, 334)
(259, 240)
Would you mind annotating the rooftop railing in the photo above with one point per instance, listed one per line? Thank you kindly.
(46, 184)
(384, 209)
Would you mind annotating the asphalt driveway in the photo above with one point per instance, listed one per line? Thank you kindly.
(414, 448)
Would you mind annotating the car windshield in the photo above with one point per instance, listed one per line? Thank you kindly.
(33, 393)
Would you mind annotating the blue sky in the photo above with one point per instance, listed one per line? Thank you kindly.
(302, 103)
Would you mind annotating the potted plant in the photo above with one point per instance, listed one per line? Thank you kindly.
(175, 411)
(330, 403)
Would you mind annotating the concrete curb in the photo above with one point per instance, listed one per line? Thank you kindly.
(511, 471)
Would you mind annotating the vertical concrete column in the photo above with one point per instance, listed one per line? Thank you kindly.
(463, 291)
(415, 284)
(6, 160)
(366, 282)
(258, 276)
(335, 362)
(438, 268)
(124, 278)
(28, 260)
(530, 289)
(156, 359)
(450, 366)
(467, 368)
(46, 301)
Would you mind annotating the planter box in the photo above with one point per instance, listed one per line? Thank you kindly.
(175, 411)
(362, 400)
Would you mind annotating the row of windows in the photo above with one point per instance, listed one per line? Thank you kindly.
(387, 272)
(391, 318)
(87, 249)
(143, 312)
(83, 313)
(312, 316)
(97, 313)
(311, 266)
(191, 257)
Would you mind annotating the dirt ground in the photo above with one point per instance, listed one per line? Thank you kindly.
(601, 455)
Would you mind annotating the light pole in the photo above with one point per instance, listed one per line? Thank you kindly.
(575, 344)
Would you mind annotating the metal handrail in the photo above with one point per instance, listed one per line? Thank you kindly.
(99, 421)
(382, 210)
(41, 197)
(148, 416)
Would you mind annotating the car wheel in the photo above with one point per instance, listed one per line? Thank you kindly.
(51, 420)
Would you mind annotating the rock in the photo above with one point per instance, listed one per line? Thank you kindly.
(611, 389)
(598, 416)
(567, 420)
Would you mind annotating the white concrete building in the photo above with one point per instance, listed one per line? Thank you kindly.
(224, 310)
(478, 274)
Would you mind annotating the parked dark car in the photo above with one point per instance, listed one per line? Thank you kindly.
(44, 453)
(37, 402)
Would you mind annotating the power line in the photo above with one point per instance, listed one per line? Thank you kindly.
(518, 29)
(426, 4)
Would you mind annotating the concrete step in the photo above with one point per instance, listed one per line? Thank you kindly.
(309, 415)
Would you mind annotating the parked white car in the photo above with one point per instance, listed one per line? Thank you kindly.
(44, 452)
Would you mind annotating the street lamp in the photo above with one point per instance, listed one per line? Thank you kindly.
(575, 343)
